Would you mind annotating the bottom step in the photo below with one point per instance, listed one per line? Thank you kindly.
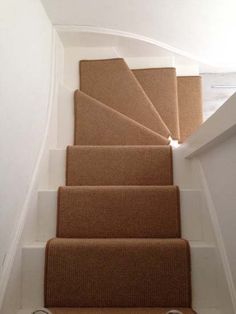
(117, 273)
(206, 277)
(119, 311)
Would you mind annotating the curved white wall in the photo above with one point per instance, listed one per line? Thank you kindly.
(25, 68)
(204, 29)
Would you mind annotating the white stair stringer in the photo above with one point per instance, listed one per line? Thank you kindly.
(57, 168)
(204, 276)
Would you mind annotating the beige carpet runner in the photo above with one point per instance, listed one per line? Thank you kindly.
(160, 85)
(112, 82)
(118, 212)
(190, 105)
(98, 124)
(118, 248)
(124, 310)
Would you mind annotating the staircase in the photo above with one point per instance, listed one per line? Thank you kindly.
(118, 239)
(118, 245)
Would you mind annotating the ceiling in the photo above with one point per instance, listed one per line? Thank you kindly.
(204, 29)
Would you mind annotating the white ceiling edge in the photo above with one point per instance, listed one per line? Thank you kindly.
(132, 45)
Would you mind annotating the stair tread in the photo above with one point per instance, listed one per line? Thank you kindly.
(160, 85)
(190, 105)
(113, 83)
(98, 124)
(117, 272)
(119, 165)
(118, 212)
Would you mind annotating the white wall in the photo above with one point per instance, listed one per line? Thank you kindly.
(202, 28)
(25, 69)
(219, 166)
(213, 147)
(214, 92)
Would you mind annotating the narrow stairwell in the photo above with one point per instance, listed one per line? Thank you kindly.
(118, 247)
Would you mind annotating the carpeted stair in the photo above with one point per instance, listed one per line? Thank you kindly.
(98, 124)
(190, 105)
(112, 82)
(124, 310)
(119, 165)
(118, 247)
(118, 273)
(160, 85)
(118, 212)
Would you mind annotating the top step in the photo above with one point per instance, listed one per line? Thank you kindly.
(113, 83)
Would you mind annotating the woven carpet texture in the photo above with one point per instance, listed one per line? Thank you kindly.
(98, 124)
(118, 247)
(118, 273)
(110, 310)
(190, 105)
(112, 82)
(119, 165)
(160, 85)
(118, 212)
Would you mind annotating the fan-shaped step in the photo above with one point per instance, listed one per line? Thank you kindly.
(118, 212)
(98, 124)
(119, 165)
(160, 85)
(136, 310)
(113, 83)
(190, 105)
(117, 273)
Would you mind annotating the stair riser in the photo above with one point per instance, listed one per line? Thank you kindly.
(191, 215)
(119, 165)
(118, 212)
(57, 166)
(205, 283)
(65, 118)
